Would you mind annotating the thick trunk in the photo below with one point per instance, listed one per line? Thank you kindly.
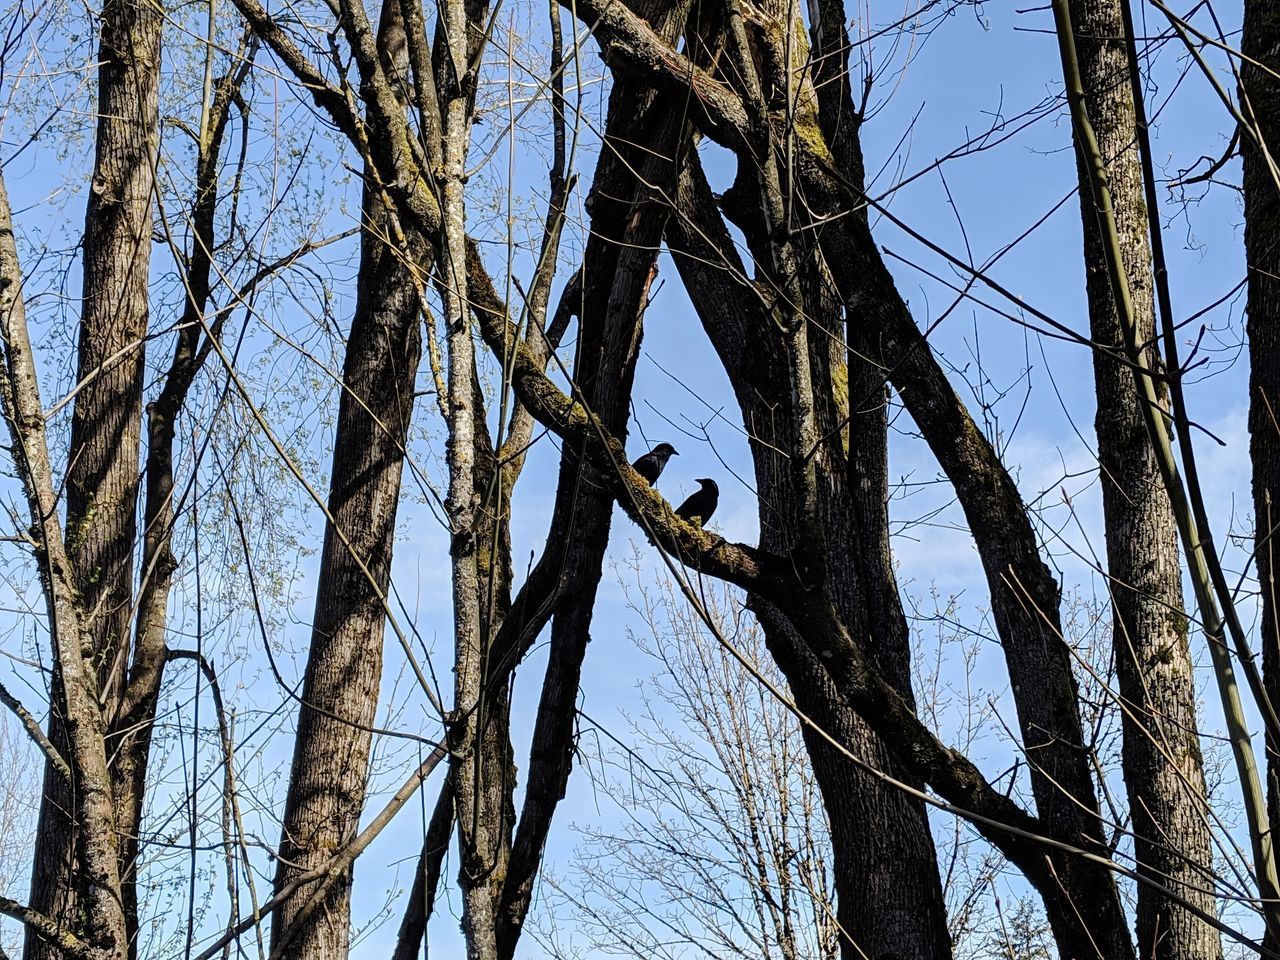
(1162, 762)
(889, 893)
(102, 475)
(1260, 104)
(103, 466)
(1025, 596)
(867, 549)
(344, 666)
(328, 778)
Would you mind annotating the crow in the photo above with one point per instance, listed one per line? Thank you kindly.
(651, 465)
(699, 507)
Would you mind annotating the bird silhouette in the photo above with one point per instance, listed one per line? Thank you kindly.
(699, 506)
(651, 465)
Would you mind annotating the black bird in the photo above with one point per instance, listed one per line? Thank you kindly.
(651, 465)
(699, 507)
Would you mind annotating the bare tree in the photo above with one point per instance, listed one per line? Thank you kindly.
(728, 138)
(722, 842)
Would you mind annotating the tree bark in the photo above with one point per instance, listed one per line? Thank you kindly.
(888, 889)
(1260, 105)
(131, 725)
(1025, 596)
(479, 777)
(327, 783)
(103, 465)
(1162, 763)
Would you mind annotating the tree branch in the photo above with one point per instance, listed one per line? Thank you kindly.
(32, 726)
(55, 933)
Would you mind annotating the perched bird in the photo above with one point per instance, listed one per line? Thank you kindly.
(651, 465)
(699, 507)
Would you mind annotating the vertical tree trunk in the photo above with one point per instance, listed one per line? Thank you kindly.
(344, 666)
(327, 782)
(866, 549)
(489, 769)
(1161, 755)
(103, 467)
(478, 799)
(1260, 105)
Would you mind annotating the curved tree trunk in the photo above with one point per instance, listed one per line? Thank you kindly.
(889, 895)
(1161, 755)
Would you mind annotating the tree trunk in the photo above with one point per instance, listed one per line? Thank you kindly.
(474, 724)
(344, 666)
(1161, 754)
(1260, 105)
(866, 549)
(103, 465)
(888, 889)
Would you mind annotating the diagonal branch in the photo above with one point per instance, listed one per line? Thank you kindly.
(32, 726)
(330, 872)
(326, 96)
(55, 933)
(572, 422)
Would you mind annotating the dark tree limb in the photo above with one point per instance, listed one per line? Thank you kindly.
(426, 877)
